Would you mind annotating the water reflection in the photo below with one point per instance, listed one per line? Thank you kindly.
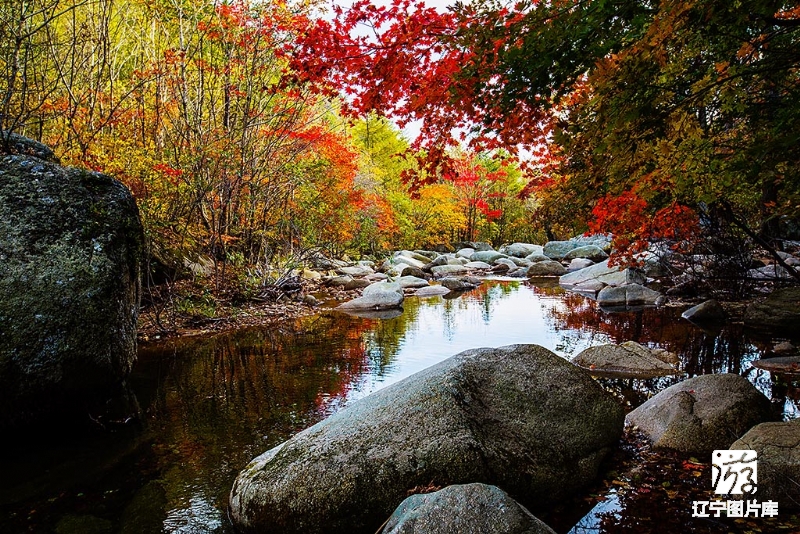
(211, 404)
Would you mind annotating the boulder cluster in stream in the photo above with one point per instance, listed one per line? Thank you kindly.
(581, 264)
(489, 433)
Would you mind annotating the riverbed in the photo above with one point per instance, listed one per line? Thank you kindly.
(210, 404)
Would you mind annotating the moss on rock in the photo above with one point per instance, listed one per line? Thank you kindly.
(70, 248)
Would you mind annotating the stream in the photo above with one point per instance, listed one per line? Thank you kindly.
(211, 404)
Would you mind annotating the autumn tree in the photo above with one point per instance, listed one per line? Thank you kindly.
(678, 108)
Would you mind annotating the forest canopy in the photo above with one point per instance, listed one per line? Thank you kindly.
(254, 132)
(642, 117)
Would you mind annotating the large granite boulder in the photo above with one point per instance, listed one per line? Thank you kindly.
(779, 312)
(518, 417)
(778, 448)
(378, 296)
(701, 414)
(70, 259)
(466, 509)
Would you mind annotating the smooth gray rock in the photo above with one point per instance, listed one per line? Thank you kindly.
(519, 272)
(590, 287)
(466, 509)
(520, 250)
(589, 252)
(519, 417)
(488, 256)
(507, 262)
(701, 414)
(70, 261)
(412, 281)
(778, 448)
(438, 260)
(579, 263)
(546, 268)
(478, 265)
(412, 258)
(611, 276)
(533, 258)
(708, 312)
(457, 261)
(519, 262)
(556, 250)
(465, 253)
(377, 296)
(482, 246)
(357, 283)
(444, 270)
(457, 284)
(431, 291)
(337, 281)
(779, 312)
(627, 295)
(355, 270)
(627, 360)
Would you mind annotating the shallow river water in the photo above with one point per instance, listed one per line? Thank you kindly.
(211, 404)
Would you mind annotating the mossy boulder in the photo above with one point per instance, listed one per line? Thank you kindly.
(70, 248)
(518, 417)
